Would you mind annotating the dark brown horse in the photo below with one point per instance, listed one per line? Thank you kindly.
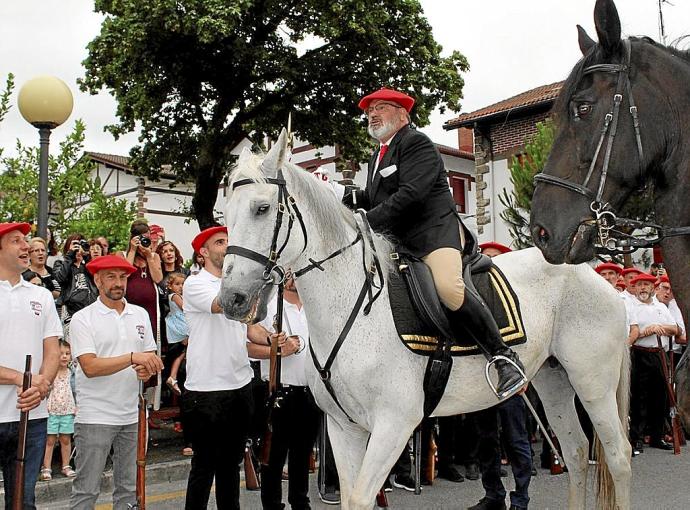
(623, 122)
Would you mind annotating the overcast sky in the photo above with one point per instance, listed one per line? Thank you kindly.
(512, 46)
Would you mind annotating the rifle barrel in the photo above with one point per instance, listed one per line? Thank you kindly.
(18, 492)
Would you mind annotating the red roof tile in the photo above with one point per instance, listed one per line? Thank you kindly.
(111, 159)
(540, 96)
(452, 151)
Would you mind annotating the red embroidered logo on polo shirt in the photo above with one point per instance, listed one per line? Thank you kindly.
(140, 330)
(36, 307)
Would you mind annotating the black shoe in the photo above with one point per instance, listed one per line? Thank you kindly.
(474, 318)
(638, 448)
(510, 379)
(661, 445)
(514, 507)
(451, 474)
(387, 487)
(489, 504)
(404, 482)
(330, 497)
(472, 472)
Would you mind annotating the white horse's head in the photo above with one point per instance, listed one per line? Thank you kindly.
(251, 213)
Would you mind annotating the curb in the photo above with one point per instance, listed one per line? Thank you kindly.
(162, 472)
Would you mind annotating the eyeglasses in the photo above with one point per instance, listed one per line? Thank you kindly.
(381, 107)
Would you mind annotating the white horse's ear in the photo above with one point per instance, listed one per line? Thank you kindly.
(244, 157)
(276, 156)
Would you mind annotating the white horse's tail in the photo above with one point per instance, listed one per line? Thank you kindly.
(606, 492)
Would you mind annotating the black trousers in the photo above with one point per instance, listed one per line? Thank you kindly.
(295, 425)
(513, 418)
(648, 398)
(218, 423)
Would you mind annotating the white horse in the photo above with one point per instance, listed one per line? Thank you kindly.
(570, 315)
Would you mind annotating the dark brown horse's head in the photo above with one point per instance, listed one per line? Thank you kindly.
(561, 221)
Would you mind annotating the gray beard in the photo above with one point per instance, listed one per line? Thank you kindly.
(382, 132)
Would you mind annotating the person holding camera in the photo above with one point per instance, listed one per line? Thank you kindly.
(78, 287)
(142, 284)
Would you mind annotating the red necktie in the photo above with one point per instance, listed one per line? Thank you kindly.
(382, 152)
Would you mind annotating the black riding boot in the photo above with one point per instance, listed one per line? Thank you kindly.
(474, 317)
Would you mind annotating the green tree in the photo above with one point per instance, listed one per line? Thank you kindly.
(75, 201)
(197, 76)
(523, 168)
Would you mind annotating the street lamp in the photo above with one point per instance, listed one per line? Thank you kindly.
(45, 102)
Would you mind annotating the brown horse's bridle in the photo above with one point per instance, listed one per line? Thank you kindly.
(605, 218)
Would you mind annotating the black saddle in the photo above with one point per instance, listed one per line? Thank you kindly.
(422, 321)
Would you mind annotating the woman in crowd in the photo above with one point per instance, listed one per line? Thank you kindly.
(171, 260)
(95, 248)
(142, 285)
(78, 287)
(38, 256)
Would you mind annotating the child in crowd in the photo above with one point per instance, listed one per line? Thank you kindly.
(61, 411)
(176, 327)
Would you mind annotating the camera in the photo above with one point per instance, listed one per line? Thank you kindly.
(84, 244)
(145, 241)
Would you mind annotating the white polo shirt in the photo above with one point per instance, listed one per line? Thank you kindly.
(27, 317)
(648, 314)
(100, 330)
(292, 368)
(678, 318)
(216, 354)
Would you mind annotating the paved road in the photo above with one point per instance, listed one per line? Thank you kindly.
(661, 481)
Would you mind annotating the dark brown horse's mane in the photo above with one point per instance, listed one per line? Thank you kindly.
(595, 56)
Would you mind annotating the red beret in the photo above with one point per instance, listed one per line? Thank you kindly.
(203, 236)
(384, 94)
(629, 270)
(5, 228)
(610, 266)
(496, 246)
(621, 284)
(663, 279)
(643, 277)
(110, 262)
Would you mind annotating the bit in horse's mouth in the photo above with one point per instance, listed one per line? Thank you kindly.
(249, 318)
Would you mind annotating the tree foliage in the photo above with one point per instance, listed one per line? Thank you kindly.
(197, 76)
(76, 202)
(523, 168)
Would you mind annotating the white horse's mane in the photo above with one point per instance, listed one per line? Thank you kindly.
(323, 204)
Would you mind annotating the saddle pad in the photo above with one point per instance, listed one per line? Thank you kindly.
(421, 339)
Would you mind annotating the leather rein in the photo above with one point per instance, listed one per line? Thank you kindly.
(605, 219)
(288, 205)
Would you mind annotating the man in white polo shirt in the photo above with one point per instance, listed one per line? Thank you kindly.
(296, 421)
(648, 388)
(113, 342)
(218, 401)
(29, 324)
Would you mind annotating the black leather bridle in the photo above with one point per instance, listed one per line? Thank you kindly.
(605, 218)
(610, 238)
(287, 204)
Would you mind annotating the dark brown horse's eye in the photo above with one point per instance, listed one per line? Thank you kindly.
(583, 109)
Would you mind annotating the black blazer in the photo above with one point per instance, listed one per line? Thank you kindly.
(414, 203)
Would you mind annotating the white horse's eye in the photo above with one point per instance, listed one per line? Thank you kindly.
(262, 209)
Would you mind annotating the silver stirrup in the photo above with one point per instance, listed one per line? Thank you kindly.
(513, 389)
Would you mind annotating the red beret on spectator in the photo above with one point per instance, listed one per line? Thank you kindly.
(610, 266)
(629, 270)
(203, 236)
(6, 228)
(663, 279)
(496, 246)
(643, 277)
(385, 94)
(621, 284)
(110, 262)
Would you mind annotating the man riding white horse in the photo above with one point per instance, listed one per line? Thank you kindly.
(407, 196)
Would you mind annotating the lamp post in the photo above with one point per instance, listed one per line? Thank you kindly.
(45, 102)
